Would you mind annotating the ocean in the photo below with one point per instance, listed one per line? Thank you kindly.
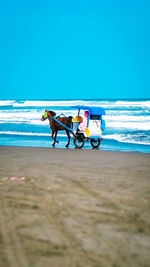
(127, 123)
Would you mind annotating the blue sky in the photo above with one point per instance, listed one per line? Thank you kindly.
(74, 49)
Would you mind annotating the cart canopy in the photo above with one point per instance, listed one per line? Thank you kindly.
(92, 110)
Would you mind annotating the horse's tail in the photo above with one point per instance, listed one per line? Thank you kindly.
(69, 121)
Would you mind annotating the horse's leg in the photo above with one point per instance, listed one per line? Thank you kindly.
(67, 132)
(55, 141)
(52, 136)
(56, 131)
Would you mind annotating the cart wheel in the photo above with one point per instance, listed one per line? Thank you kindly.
(95, 142)
(78, 141)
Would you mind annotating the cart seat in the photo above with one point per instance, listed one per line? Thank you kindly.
(77, 119)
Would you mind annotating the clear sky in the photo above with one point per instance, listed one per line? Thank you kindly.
(73, 49)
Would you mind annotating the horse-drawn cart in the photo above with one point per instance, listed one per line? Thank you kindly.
(86, 128)
(89, 127)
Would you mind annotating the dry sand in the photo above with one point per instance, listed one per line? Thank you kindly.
(74, 208)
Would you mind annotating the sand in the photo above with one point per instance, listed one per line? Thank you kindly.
(74, 208)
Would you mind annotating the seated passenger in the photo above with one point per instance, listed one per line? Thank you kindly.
(83, 125)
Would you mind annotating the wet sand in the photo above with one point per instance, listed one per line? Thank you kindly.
(74, 208)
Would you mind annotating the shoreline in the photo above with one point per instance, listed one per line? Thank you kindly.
(72, 149)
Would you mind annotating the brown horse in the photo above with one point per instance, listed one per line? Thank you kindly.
(55, 126)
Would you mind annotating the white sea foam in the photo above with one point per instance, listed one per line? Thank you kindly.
(48, 103)
(124, 139)
(28, 133)
(128, 125)
(133, 103)
(128, 112)
(123, 118)
(6, 102)
(66, 103)
(31, 117)
(21, 115)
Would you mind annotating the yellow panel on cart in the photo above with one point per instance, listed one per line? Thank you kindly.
(87, 133)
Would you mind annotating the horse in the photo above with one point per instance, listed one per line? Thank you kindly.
(55, 126)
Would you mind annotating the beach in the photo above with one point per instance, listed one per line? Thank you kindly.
(74, 208)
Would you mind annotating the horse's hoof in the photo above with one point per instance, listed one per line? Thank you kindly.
(53, 145)
(67, 146)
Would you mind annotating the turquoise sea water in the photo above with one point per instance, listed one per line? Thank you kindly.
(127, 123)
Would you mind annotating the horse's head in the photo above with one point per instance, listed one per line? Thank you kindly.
(48, 114)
